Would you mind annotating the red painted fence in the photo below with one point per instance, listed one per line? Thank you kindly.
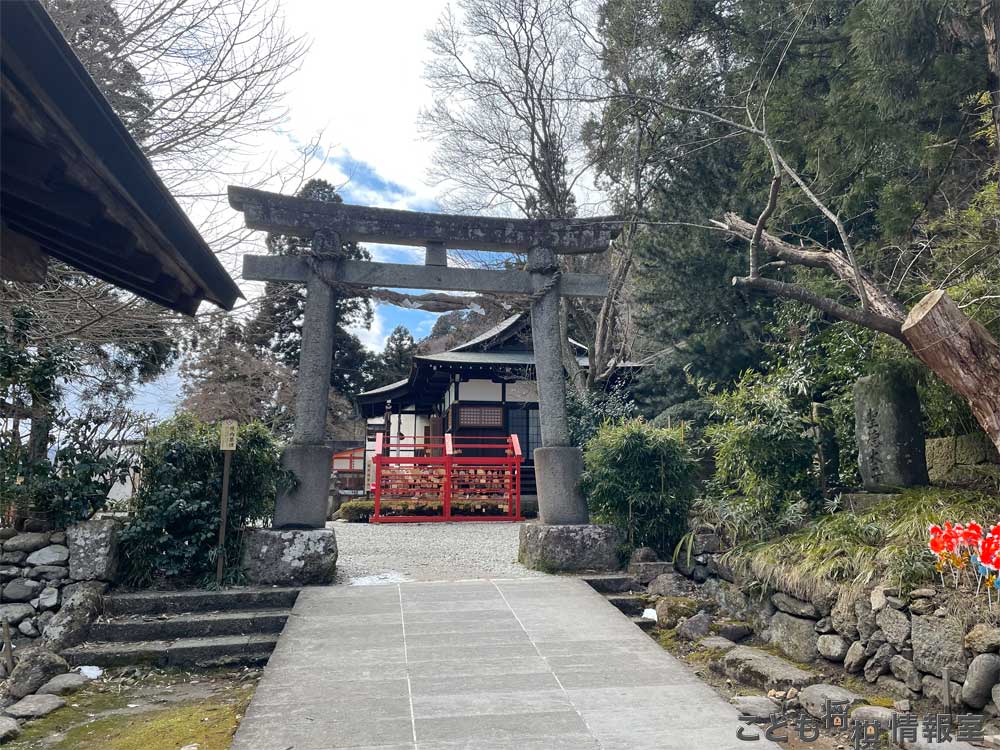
(439, 481)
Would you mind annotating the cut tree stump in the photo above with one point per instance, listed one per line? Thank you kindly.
(961, 352)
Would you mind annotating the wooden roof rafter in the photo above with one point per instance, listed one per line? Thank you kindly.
(75, 185)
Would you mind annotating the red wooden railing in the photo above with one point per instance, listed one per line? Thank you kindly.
(352, 459)
(439, 481)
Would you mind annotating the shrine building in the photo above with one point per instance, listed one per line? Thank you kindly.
(484, 388)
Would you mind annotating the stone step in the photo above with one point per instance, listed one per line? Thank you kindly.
(613, 583)
(643, 624)
(184, 652)
(761, 669)
(645, 572)
(630, 604)
(176, 602)
(192, 625)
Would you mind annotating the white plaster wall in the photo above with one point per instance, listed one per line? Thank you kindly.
(479, 390)
(397, 423)
(369, 452)
(523, 390)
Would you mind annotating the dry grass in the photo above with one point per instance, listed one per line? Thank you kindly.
(887, 543)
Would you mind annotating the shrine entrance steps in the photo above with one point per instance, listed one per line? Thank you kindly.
(542, 663)
(626, 594)
(237, 626)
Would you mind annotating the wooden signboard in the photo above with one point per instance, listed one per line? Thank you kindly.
(227, 442)
(227, 435)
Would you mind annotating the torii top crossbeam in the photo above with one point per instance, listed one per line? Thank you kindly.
(302, 217)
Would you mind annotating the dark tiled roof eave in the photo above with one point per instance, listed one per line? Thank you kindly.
(150, 247)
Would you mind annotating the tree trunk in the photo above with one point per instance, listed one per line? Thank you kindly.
(961, 352)
(41, 423)
(577, 377)
(989, 15)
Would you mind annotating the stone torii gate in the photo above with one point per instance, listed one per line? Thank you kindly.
(557, 464)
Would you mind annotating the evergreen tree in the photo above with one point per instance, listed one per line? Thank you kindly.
(95, 31)
(875, 101)
(277, 326)
(394, 362)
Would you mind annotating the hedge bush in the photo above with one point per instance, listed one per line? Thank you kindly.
(361, 511)
(765, 480)
(174, 531)
(588, 412)
(357, 511)
(641, 479)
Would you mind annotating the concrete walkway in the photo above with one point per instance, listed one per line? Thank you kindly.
(533, 664)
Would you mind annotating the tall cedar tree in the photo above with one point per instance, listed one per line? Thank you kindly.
(394, 362)
(875, 101)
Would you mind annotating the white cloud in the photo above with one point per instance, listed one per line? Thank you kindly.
(374, 336)
(361, 82)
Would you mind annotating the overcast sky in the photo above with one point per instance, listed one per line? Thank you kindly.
(361, 86)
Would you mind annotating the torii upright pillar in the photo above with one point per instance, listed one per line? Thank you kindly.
(308, 455)
(558, 465)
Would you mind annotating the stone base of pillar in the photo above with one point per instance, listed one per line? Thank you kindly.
(571, 548)
(306, 506)
(289, 557)
(557, 479)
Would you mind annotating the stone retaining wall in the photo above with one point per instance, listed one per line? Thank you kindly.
(39, 570)
(903, 642)
(962, 461)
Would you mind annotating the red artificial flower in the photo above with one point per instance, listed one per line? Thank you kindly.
(949, 536)
(971, 535)
(937, 542)
(989, 552)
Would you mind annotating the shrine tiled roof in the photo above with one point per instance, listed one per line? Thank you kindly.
(503, 358)
(431, 373)
(497, 331)
(383, 389)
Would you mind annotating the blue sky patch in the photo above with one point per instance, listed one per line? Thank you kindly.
(364, 179)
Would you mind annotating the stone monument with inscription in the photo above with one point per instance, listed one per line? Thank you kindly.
(889, 433)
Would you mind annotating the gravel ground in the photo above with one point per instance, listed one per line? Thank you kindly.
(392, 552)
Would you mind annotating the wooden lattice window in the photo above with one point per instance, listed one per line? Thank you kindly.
(481, 416)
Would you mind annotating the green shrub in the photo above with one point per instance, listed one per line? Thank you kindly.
(587, 413)
(70, 486)
(641, 479)
(765, 480)
(357, 511)
(174, 532)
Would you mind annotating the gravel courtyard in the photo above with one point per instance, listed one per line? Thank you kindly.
(389, 553)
